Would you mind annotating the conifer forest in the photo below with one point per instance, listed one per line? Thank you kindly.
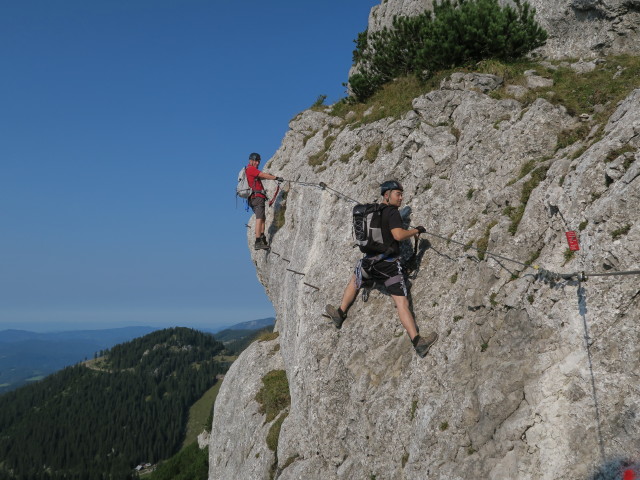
(99, 419)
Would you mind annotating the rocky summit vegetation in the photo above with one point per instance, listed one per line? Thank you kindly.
(453, 34)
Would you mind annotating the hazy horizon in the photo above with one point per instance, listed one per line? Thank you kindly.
(48, 327)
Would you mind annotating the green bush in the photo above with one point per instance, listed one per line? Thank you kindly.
(568, 255)
(372, 153)
(616, 234)
(319, 103)
(274, 433)
(365, 85)
(274, 396)
(456, 33)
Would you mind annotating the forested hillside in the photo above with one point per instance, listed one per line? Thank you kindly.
(100, 419)
(235, 341)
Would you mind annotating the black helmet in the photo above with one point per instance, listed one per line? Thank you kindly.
(390, 185)
(254, 156)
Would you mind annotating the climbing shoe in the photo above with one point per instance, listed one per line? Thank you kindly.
(335, 314)
(423, 344)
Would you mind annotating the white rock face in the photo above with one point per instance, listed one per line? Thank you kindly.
(576, 28)
(204, 439)
(238, 448)
(529, 379)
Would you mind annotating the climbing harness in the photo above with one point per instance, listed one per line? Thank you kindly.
(245, 191)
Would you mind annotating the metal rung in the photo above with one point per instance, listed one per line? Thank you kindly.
(294, 271)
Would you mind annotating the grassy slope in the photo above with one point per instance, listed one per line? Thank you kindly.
(609, 83)
(199, 414)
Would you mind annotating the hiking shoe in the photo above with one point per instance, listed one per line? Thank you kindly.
(423, 344)
(261, 244)
(335, 314)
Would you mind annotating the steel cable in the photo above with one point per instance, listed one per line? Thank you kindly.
(546, 274)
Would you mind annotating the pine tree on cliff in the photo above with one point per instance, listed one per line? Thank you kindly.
(454, 34)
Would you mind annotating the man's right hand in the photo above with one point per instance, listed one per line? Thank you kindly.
(421, 229)
(279, 179)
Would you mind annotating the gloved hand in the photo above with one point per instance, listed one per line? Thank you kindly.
(279, 179)
(421, 229)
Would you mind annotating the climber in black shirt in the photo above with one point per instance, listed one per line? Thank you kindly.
(386, 268)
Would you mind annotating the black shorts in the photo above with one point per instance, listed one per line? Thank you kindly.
(387, 272)
(257, 205)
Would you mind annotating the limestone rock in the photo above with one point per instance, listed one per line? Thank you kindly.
(533, 376)
(516, 91)
(583, 67)
(511, 387)
(238, 447)
(381, 16)
(576, 28)
(536, 81)
(472, 81)
(204, 439)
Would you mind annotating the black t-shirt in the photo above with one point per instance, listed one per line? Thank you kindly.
(391, 219)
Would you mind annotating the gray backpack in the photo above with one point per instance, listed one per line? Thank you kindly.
(243, 190)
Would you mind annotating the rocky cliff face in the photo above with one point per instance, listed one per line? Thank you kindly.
(531, 378)
(577, 28)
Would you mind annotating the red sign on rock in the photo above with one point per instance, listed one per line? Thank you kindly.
(572, 239)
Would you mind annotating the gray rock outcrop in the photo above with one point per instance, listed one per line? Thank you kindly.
(577, 28)
(533, 376)
(529, 379)
(238, 448)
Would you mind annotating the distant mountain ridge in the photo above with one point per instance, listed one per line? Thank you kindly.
(27, 356)
(250, 325)
(15, 335)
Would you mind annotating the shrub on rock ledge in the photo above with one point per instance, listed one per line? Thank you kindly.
(455, 33)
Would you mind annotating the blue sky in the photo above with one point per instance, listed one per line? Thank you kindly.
(123, 125)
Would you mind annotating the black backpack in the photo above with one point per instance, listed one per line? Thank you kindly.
(367, 227)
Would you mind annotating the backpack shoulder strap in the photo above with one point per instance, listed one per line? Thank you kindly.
(253, 187)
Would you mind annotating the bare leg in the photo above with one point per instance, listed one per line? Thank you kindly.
(349, 294)
(407, 320)
(259, 227)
